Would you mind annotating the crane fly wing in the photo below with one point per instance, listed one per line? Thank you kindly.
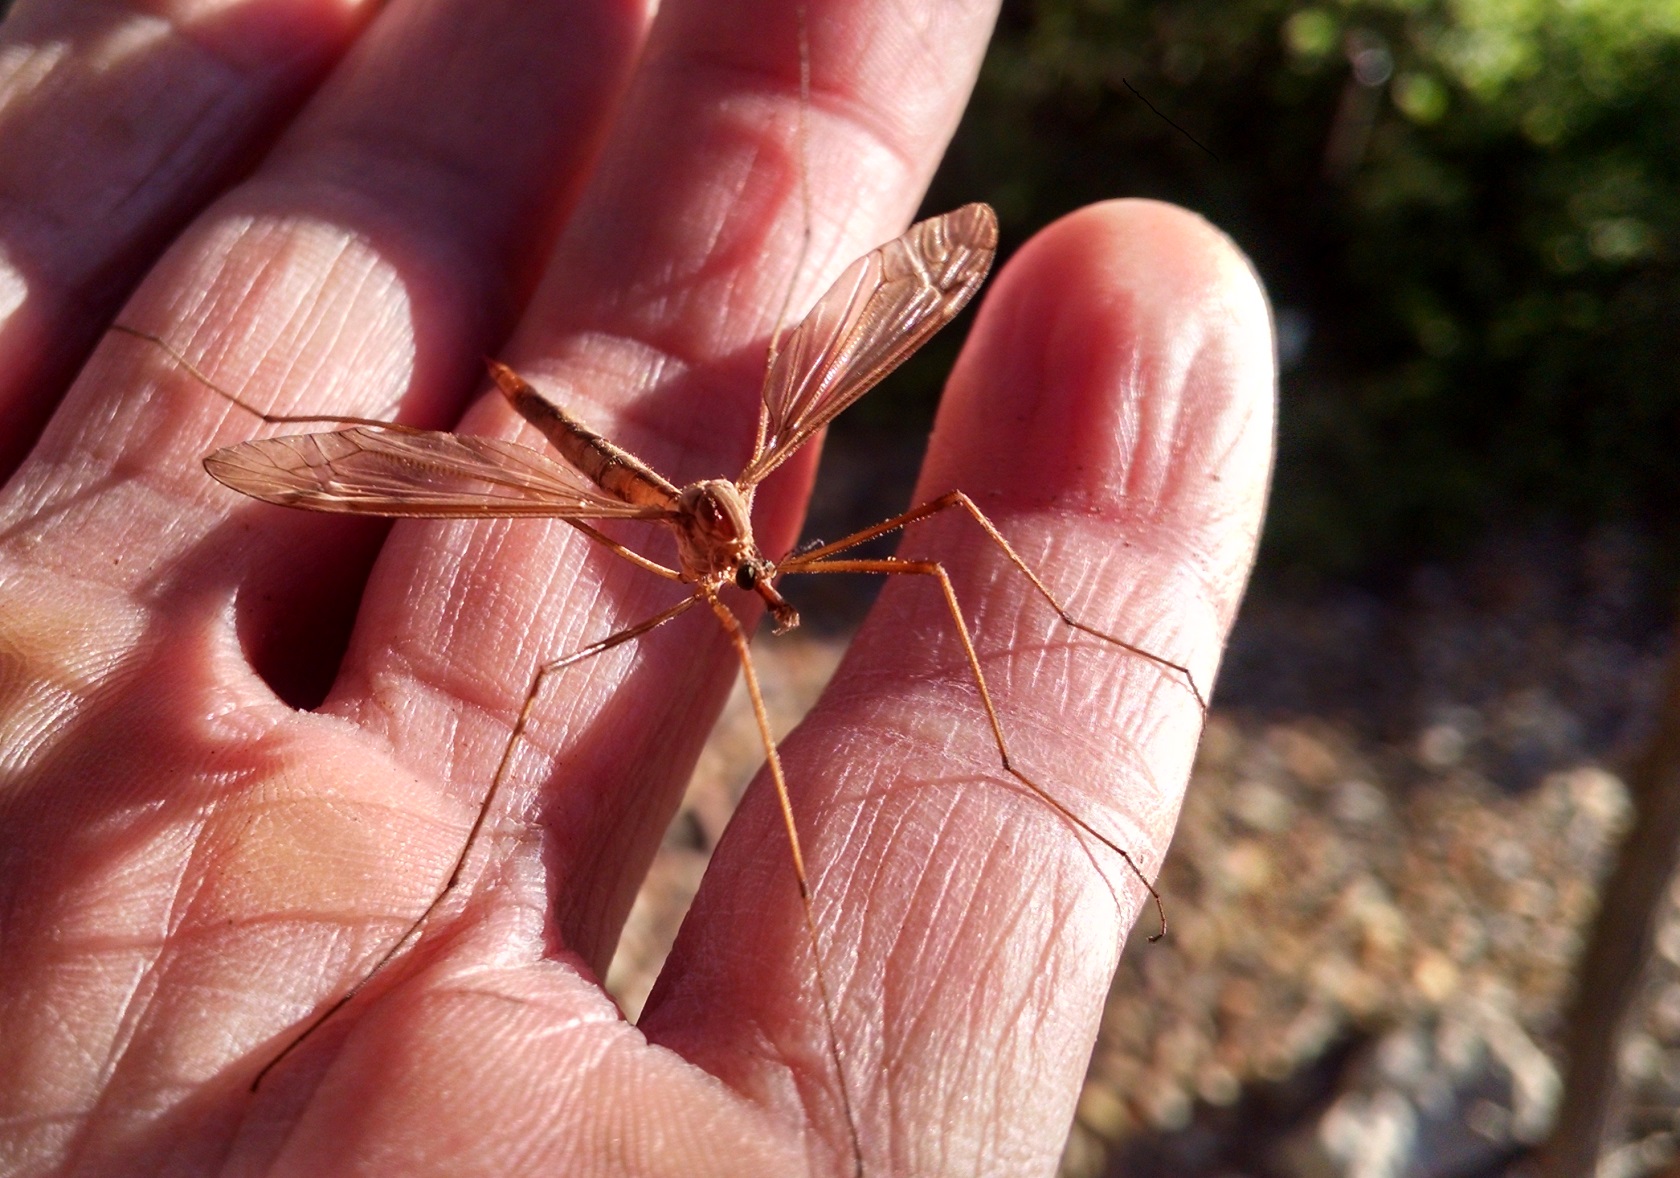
(884, 307)
(402, 472)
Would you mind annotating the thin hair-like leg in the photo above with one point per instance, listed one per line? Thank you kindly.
(804, 139)
(738, 638)
(800, 562)
(193, 370)
(543, 672)
(895, 566)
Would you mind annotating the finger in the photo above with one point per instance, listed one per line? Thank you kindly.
(117, 123)
(376, 251)
(651, 326)
(1112, 413)
(372, 259)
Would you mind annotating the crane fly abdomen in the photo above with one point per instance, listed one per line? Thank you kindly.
(615, 470)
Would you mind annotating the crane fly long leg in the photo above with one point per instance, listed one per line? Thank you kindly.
(801, 562)
(629, 554)
(193, 370)
(617, 638)
(519, 725)
(174, 353)
(738, 638)
(895, 566)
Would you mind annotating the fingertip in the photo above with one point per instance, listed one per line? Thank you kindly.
(1123, 360)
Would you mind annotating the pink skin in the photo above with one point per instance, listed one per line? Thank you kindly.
(189, 866)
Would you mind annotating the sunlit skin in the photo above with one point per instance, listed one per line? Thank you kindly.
(884, 306)
(192, 866)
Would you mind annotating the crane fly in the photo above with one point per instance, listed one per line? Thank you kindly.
(880, 310)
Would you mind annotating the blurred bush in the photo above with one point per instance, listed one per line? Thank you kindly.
(1465, 213)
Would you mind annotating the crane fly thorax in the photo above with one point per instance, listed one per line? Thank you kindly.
(715, 545)
(714, 533)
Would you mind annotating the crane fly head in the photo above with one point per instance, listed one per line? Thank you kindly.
(716, 546)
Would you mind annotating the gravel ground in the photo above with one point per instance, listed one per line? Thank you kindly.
(1386, 866)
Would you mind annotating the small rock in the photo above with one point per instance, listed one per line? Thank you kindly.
(1441, 746)
(1358, 802)
(1262, 807)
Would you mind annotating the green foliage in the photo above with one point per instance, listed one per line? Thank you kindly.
(1472, 204)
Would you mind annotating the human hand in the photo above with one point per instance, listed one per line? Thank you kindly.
(190, 866)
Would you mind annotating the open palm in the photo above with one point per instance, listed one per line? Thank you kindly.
(359, 202)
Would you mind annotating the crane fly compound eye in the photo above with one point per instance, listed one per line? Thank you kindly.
(746, 576)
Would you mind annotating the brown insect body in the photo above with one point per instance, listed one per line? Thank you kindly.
(615, 470)
(715, 545)
(711, 518)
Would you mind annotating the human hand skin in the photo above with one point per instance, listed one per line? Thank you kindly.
(190, 866)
